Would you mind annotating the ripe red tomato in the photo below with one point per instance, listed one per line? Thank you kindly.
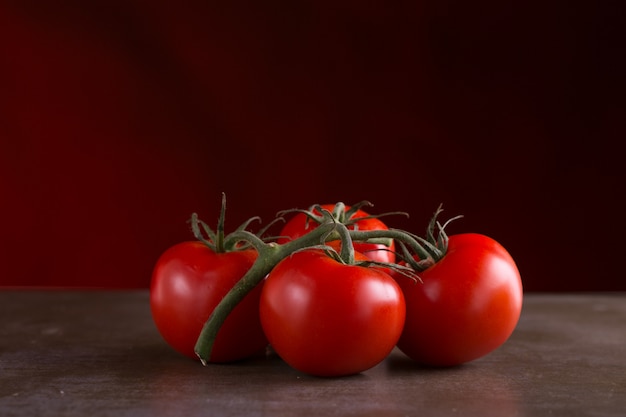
(300, 225)
(326, 318)
(467, 306)
(188, 281)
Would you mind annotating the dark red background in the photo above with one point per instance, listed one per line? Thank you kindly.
(120, 118)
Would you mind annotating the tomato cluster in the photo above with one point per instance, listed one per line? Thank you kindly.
(335, 293)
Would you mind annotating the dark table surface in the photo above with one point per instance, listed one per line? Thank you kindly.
(96, 353)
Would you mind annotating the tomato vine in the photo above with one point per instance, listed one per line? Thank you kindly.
(442, 300)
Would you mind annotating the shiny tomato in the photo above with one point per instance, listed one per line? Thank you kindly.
(188, 281)
(300, 224)
(326, 318)
(468, 304)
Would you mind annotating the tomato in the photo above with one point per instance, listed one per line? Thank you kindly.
(326, 318)
(300, 224)
(188, 281)
(467, 306)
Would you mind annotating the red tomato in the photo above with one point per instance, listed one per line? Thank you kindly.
(300, 225)
(326, 318)
(467, 306)
(188, 281)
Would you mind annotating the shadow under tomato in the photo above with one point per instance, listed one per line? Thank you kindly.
(398, 362)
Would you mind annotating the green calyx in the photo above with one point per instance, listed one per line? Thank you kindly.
(218, 241)
(434, 246)
(339, 214)
(343, 214)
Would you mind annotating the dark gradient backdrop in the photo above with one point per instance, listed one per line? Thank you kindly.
(120, 118)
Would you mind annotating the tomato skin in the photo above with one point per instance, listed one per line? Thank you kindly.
(188, 281)
(328, 319)
(467, 306)
(300, 225)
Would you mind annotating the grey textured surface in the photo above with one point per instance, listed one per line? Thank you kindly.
(98, 354)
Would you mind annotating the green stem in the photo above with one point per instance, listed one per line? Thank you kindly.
(347, 248)
(219, 241)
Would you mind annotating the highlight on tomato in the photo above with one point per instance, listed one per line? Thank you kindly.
(326, 318)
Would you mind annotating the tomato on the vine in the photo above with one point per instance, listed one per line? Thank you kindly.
(188, 281)
(467, 305)
(300, 224)
(326, 318)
